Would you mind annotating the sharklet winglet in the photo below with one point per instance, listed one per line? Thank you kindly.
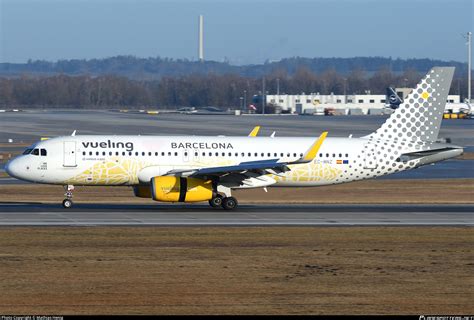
(313, 150)
(254, 132)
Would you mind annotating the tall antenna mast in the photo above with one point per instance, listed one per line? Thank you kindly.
(469, 43)
(201, 38)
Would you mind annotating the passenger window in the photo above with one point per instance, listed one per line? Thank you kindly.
(223, 154)
(103, 153)
(97, 153)
(243, 154)
(156, 154)
(256, 154)
(83, 153)
(185, 154)
(163, 154)
(347, 155)
(320, 155)
(210, 154)
(340, 155)
(294, 155)
(149, 154)
(90, 153)
(130, 153)
(333, 155)
(195, 154)
(27, 151)
(136, 153)
(143, 153)
(176, 154)
(169, 154)
(203, 154)
(217, 154)
(249, 154)
(269, 154)
(123, 153)
(230, 154)
(110, 153)
(275, 155)
(301, 155)
(236, 154)
(281, 154)
(35, 152)
(327, 155)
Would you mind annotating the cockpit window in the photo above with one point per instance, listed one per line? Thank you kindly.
(35, 152)
(27, 151)
(43, 152)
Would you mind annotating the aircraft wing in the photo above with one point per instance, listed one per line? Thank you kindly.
(271, 166)
(261, 167)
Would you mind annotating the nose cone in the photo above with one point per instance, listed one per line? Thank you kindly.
(13, 169)
(9, 168)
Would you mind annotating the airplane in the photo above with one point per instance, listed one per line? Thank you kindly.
(393, 101)
(209, 168)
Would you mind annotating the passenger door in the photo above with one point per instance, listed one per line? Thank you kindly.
(69, 154)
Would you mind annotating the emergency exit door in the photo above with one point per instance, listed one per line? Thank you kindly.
(69, 154)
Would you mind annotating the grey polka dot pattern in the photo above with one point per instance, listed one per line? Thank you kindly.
(413, 127)
(419, 117)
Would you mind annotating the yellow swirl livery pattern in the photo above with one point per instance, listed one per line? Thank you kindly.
(125, 172)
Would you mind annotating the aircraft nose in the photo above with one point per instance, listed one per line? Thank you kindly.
(12, 168)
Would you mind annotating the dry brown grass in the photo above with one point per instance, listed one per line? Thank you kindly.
(466, 156)
(368, 191)
(207, 270)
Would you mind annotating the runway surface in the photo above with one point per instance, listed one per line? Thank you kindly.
(35, 214)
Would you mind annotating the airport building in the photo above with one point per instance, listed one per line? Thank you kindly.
(315, 103)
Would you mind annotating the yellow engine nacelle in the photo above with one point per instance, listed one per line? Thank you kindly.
(177, 189)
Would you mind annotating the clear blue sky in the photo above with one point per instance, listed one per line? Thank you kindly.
(243, 31)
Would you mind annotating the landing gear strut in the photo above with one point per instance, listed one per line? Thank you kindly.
(67, 203)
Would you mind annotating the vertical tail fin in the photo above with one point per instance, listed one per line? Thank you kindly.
(392, 99)
(419, 117)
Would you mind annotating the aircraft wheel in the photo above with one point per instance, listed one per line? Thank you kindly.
(229, 203)
(216, 201)
(67, 203)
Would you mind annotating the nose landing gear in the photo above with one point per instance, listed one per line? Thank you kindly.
(67, 203)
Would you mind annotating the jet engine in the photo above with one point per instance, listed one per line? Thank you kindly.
(177, 189)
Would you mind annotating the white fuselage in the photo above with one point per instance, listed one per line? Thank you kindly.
(133, 160)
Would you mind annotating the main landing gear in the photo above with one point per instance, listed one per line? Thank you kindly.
(216, 201)
(67, 203)
(227, 203)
